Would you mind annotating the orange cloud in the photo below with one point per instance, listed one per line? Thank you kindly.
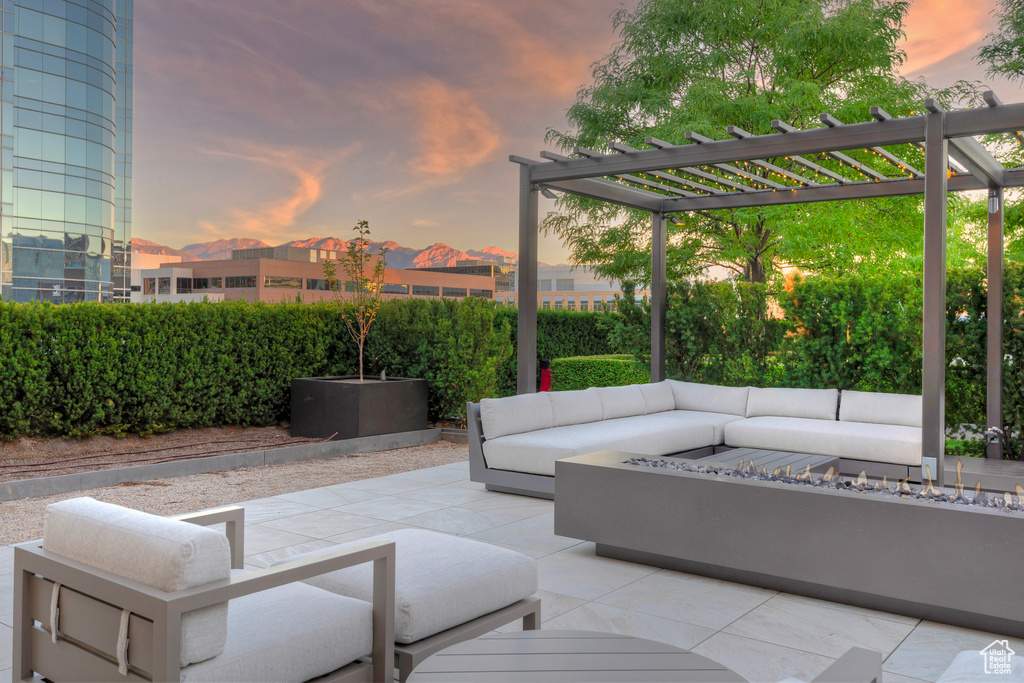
(455, 133)
(274, 217)
(937, 29)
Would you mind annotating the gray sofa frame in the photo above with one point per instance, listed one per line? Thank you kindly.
(93, 600)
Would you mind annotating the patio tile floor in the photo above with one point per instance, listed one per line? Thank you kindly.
(761, 634)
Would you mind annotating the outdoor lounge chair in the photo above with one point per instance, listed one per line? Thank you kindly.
(447, 589)
(114, 594)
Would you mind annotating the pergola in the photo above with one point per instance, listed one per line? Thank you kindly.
(784, 168)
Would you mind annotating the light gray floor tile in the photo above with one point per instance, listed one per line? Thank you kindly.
(850, 608)
(693, 599)
(7, 620)
(469, 484)
(535, 533)
(369, 531)
(272, 556)
(586, 578)
(267, 509)
(529, 552)
(434, 475)
(6, 647)
(389, 508)
(322, 523)
(597, 617)
(454, 520)
(516, 507)
(759, 662)
(930, 649)
(328, 496)
(818, 629)
(447, 494)
(6, 594)
(555, 604)
(6, 560)
(386, 486)
(890, 677)
(260, 539)
(459, 466)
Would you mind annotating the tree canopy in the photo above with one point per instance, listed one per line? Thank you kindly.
(701, 65)
(1004, 53)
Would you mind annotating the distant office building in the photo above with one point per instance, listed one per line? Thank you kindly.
(501, 268)
(573, 289)
(66, 157)
(288, 273)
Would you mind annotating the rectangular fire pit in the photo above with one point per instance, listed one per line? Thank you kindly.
(954, 564)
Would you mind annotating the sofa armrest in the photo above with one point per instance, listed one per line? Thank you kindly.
(233, 518)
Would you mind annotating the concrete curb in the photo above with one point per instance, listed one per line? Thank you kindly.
(459, 436)
(67, 483)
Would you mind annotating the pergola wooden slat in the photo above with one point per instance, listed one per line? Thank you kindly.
(654, 180)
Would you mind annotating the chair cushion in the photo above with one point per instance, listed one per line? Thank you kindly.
(441, 580)
(886, 409)
(515, 414)
(575, 407)
(624, 401)
(894, 444)
(166, 554)
(658, 397)
(710, 398)
(970, 667)
(536, 452)
(819, 404)
(290, 633)
(716, 420)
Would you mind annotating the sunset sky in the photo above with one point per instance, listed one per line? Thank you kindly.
(286, 119)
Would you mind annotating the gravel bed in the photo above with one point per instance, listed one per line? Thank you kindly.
(22, 520)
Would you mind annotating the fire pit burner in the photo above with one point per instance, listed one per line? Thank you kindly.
(860, 484)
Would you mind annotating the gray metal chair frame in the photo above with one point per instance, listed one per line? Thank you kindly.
(92, 602)
(408, 657)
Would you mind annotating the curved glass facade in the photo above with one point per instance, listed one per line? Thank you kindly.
(65, 143)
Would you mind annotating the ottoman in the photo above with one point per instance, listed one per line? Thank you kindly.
(447, 589)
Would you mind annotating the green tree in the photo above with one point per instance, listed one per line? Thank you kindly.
(1003, 55)
(701, 65)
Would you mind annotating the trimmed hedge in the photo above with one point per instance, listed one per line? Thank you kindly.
(583, 372)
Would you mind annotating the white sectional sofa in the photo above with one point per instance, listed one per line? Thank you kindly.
(515, 441)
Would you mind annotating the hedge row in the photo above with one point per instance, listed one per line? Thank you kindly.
(583, 372)
(83, 369)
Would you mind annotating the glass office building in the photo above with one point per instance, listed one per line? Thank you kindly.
(65, 144)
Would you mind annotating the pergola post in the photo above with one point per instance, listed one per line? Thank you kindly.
(527, 333)
(659, 294)
(994, 316)
(933, 375)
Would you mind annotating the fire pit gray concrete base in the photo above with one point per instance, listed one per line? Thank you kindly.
(953, 564)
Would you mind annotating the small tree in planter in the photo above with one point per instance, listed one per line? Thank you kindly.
(363, 282)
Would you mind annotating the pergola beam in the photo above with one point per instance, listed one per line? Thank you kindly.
(969, 153)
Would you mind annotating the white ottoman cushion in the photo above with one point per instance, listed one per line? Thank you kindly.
(969, 667)
(441, 581)
(290, 633)
(166, 554)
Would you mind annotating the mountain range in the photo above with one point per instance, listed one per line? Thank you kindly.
(436, 255)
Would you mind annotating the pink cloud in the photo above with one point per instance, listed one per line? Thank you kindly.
(937, 29)
(454, 133)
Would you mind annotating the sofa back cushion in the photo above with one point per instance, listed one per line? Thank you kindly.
(818, 404)
(709, 398)
(515, 414)
(166, 554)
(621, 401)
(885, 409)
(658, 397)
(575, 407)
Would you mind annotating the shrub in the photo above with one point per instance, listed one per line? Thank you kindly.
(583, 372)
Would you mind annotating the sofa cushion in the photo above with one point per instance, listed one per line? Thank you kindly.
(624, 401)
(819, 404)
(710, 398)
(575, 407)
(894, 444)
(515, 414)
(441, 580)
(536, 452)
(290, 633)
(716, 420)
(886, 409)
(658, 397)
(166, 554)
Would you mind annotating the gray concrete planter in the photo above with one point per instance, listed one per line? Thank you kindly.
(949, 563)
(322, 406)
